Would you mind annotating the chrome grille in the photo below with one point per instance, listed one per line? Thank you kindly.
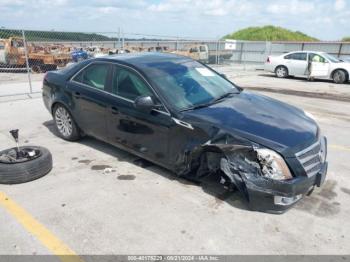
(312, 157)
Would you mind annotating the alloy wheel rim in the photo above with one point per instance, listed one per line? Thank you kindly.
(337, 76)
(63, 122)
(281, 72)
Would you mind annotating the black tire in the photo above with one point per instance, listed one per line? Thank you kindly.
(74, 135)
(46, 68)
(339, 77)
(36, 69)
(281, 72)
(16, 173)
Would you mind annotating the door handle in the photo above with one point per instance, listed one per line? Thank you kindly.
(77, 95)
(114, 110)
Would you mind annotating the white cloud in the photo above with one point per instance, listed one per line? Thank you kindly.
(107, 9)
(190, 18)
(339, 5)
(5, 3)
(198, 7)
(292, 7)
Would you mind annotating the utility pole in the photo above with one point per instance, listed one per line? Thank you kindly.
(27, 61)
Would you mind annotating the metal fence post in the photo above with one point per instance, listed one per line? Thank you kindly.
(27, 61)
(241, 53)
(217, 52)
(123, 39)
(340, 49)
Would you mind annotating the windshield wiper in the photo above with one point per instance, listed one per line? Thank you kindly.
(224, 96)
(197, 106)
(209, 103)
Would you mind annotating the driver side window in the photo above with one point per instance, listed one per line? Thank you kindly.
(317, 58)
(128, 84)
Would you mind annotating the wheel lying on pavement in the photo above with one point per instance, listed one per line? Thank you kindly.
(32, 162)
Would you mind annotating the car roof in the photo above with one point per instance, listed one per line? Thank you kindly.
(307, 51)
(145, 59)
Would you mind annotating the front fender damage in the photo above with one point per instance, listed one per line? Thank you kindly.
(237, 163)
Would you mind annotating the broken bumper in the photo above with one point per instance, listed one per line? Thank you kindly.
(279, 196)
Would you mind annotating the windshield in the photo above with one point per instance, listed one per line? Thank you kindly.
(189, 84)
(331, 58)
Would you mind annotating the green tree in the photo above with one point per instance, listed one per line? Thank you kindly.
(269, 33)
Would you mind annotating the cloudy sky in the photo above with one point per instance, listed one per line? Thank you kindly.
(324, 19)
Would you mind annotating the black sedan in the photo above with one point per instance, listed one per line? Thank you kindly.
(184, 116)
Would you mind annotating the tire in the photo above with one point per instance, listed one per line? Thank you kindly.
(46, 68)
(36, 69)
(65, 124)
(281, 71)
(339, 77)
(16, 173)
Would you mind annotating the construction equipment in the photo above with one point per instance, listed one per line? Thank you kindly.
(197, 52)
(40, 59)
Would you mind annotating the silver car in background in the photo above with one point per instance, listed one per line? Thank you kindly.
(323, 66)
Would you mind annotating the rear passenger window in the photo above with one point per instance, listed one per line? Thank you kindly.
(94, 76)
(128, 84)
(296, 56)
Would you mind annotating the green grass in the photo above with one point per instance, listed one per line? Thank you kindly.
(269, 33)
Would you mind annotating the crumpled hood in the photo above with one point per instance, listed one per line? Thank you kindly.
(258, 118)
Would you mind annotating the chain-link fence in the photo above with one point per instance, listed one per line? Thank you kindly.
(26, 55)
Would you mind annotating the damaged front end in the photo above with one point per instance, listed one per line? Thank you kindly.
(261, 175)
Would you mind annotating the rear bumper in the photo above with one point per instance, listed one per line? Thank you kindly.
(279, 196)
(269, 67)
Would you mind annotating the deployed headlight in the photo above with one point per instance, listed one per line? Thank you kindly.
(272, 164)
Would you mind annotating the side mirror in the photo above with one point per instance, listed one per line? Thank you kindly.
(145, 103)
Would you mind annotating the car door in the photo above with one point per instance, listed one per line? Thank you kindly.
(320, 65)
(143, 133)
(296, 63)
(89, 96)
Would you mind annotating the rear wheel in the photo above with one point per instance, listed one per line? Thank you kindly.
(281, 72)
(65, 124)
(339, 77)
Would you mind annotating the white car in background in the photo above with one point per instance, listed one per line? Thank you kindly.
(324, 66)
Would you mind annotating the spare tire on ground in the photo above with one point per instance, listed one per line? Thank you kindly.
(31, 163)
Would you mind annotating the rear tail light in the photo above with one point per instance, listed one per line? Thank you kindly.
(268, 60)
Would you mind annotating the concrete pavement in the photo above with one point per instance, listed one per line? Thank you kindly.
(126, 209)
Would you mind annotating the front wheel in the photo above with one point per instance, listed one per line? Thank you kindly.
(339, 77)
(65, 124)
(281, 72)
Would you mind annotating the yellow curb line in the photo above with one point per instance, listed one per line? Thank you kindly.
(48, 239)
(344, 148)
